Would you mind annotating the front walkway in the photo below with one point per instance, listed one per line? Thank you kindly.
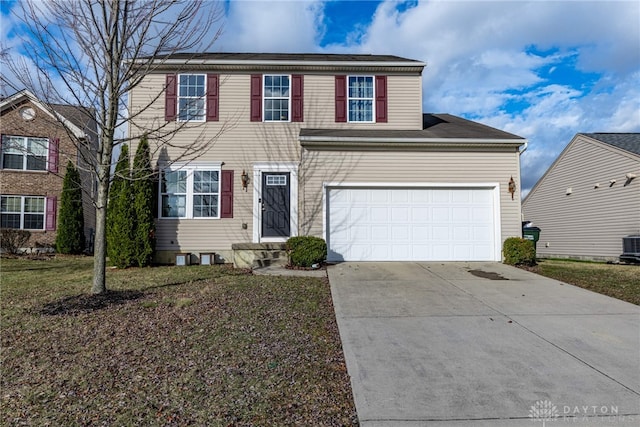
(484, 344)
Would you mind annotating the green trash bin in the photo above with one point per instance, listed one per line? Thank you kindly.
(533, 234)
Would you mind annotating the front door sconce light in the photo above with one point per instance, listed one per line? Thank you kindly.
(245, 180)
(512, 187)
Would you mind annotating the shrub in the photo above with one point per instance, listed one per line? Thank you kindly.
(143, 205)
(70, 236)
(519, 251)
(304, 251)
(12, 240)
(120, 215)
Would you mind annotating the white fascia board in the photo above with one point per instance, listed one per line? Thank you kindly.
(79, 134)
(405, 143)
(26, 94)
(400, 140)
(289, 63)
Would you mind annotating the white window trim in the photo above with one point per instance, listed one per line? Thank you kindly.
(190, 168)
(22, 212)
(204, 98)
(258, 169)
(373, 100)
(25, 154)
(264, 99)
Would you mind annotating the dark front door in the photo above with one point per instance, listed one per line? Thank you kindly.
(275, 204)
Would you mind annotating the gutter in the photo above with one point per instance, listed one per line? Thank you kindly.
(408, 140)
(317, 142)
(237, 62)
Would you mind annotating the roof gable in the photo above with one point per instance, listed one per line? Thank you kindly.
(588, 138)
(63, 113)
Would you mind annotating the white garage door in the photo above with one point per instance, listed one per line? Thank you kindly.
(413, 224)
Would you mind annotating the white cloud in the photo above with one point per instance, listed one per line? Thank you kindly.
(480, 63)
(272, 26)
(505, 64)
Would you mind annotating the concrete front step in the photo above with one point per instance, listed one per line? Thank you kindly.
(258, 255)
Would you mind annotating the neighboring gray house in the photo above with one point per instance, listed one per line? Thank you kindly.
(589, 199)
(335, 146)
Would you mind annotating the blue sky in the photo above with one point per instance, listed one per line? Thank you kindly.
(544, 70)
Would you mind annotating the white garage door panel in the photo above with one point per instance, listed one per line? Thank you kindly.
(430, 224)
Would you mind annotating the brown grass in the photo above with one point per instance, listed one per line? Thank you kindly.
(194, 345)
(615, 280)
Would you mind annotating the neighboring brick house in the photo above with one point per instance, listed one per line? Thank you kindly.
(36, 145)
(330, 145)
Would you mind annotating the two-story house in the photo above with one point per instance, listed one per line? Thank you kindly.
(37, 141)
(330, 145)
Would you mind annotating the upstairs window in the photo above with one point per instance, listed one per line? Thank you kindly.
(276, 98)
(22, 212)
(360, 99)
(24, 153)
(191, 97)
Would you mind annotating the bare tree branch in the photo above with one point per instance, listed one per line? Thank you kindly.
(92, 53)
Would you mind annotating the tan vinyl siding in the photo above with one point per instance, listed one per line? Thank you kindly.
(201, 235)
(403, 97)
(240, 143)
(404, 104)
(411, 168)
(590, 222)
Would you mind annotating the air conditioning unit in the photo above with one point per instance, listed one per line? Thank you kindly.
(630, 249)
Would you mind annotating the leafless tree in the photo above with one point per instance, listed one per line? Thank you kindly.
(92, 53)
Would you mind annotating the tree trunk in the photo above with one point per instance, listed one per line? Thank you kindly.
(100, 248)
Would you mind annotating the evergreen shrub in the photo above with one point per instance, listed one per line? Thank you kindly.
(120, 215)
(304, 251)
(70, 237)
(518, 251)
(143, 205)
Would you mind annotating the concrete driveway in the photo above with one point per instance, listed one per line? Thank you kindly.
(484, 344)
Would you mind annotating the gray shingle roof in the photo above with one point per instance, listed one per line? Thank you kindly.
(288, 57)
(434, 127)
(82, 117)
(626, 141)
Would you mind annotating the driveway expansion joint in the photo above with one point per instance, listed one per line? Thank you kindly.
(416, 355)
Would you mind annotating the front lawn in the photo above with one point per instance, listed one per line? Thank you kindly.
(195, 345)
(615, 280)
